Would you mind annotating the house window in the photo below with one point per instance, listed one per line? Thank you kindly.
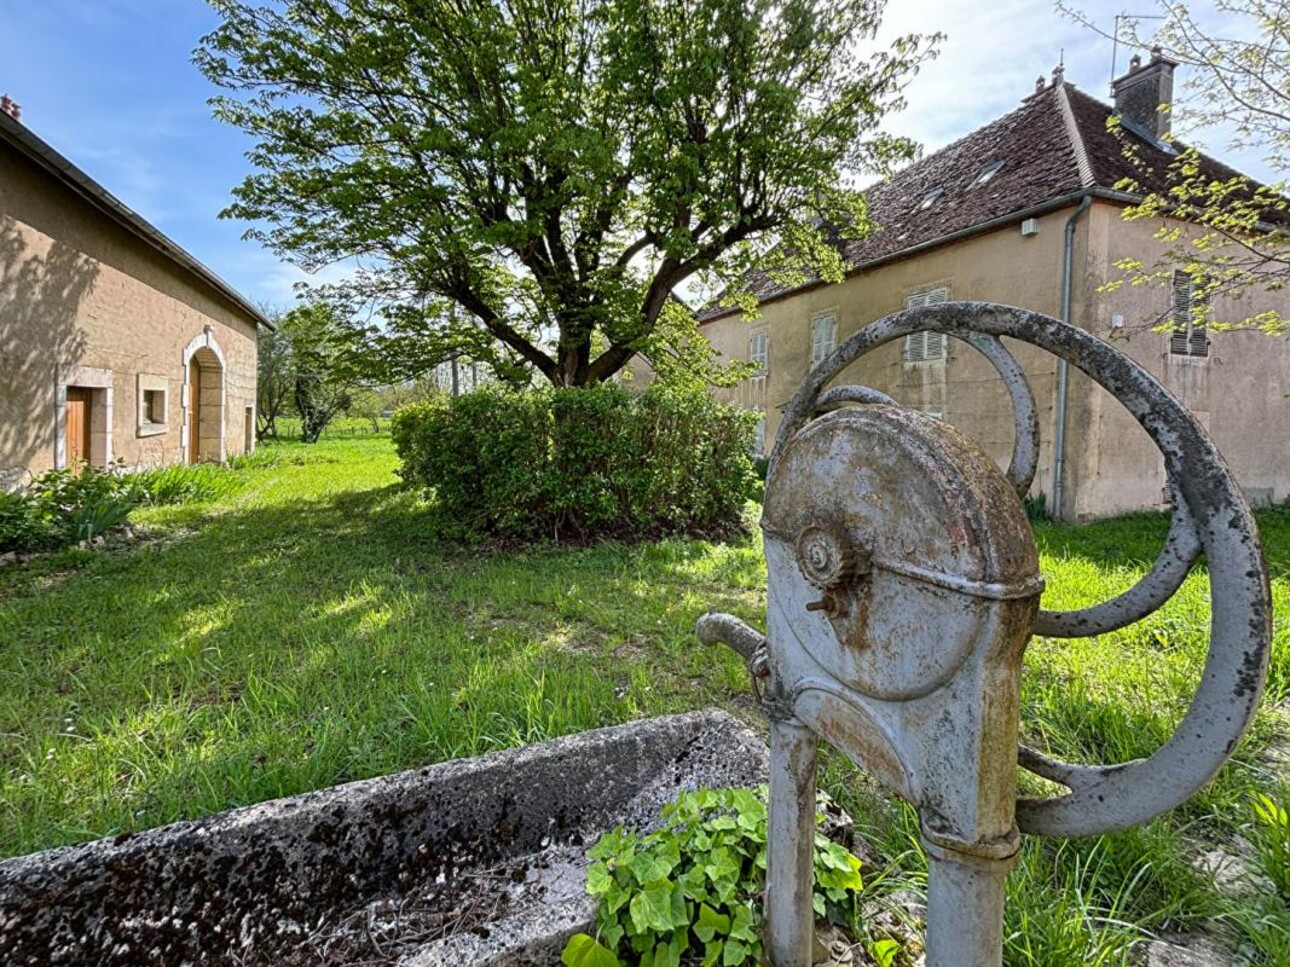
(759, 351)
(154, 406)
(1190, 309)
(824, 336)
(924, 347)
(152, 402)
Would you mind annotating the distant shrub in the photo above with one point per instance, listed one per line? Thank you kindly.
(181, 483)
(578, 463)
(61, 507)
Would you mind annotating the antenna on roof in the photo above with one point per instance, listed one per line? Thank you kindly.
(1061, 58)
(1115, 36)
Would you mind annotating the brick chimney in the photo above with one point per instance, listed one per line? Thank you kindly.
(1141, 94)
(10, 107)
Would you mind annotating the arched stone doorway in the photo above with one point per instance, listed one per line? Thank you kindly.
(202, 435)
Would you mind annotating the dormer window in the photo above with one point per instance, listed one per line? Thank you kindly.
(988, 172)
(930, 199)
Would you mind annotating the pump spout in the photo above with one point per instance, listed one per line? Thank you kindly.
(715, 628)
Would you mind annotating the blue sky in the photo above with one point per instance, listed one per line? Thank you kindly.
(109, 83)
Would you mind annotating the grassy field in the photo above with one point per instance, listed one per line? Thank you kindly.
(308, 630)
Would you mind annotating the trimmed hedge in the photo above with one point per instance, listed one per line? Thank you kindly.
(571, 464)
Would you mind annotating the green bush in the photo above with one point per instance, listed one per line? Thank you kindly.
(692, 889)
(22, 527)
(61, 507)
(578, 463)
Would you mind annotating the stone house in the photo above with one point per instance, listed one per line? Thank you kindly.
(1025, 211)
(115, 343)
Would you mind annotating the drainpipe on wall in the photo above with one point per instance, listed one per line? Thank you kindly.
(1059, 432)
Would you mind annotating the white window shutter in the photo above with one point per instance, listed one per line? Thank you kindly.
(923, 346)
(936, 345)
(824, 336)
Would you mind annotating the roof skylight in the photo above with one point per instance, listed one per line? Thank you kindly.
(988, 172)
(930, 198)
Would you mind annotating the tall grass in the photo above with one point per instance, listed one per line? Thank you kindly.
(181, 483)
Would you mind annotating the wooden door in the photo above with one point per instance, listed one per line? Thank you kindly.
(80, 404)
(194, 411)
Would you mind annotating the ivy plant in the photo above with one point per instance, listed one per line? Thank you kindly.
(692, 889)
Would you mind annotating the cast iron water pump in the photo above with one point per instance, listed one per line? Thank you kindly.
(903, 587)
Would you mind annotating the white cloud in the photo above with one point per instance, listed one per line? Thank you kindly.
(989, 61)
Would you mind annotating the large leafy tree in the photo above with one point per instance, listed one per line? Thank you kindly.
(530, 182)
(1236, 58)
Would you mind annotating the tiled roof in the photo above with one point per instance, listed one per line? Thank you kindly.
(1053, 146)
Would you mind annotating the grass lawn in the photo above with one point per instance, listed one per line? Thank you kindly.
(307, 630)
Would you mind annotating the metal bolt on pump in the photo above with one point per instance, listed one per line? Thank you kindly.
(904, 585)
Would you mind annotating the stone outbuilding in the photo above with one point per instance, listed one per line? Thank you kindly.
(1026, 211)
(116, 345)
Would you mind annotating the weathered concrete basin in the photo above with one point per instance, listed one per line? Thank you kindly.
(470, 862)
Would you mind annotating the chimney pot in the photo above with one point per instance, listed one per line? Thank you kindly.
(1040, 83)
(1059, 72)
(1157, 54)
(1135, 62)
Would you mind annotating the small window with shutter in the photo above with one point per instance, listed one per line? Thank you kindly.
(924, 347)
(1190, 310)
(759, 351)
(824, 336)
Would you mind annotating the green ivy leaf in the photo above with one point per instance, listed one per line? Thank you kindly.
(599, 879)
(654, 908)
(585, 951)
(710, 923)
(735, 953)
(744, 926)
(611, 934)
(884, 952)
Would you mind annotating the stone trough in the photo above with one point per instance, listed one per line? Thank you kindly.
(473, 862)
